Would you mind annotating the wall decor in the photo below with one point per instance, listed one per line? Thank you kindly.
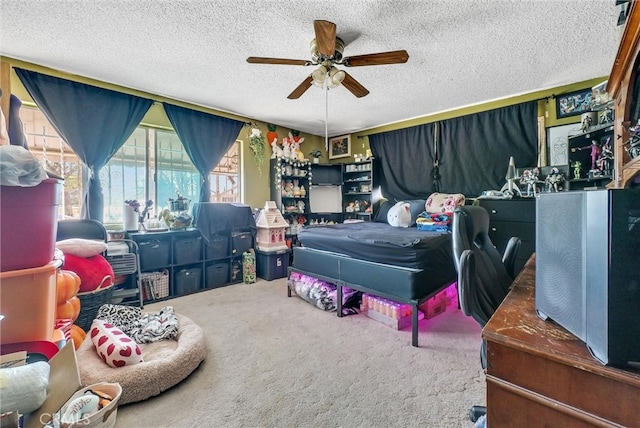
(558, 143)
(340, 147)
(573, 103)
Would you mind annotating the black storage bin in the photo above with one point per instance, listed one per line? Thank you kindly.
(272, 265)
(187, 250)
(217, 275)
(154, 254)
(241, 242)
(218, 247)
(187, 281)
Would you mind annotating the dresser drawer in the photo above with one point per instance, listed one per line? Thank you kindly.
(503, 230)
(516, 210)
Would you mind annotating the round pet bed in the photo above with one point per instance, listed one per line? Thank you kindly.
(166, 363)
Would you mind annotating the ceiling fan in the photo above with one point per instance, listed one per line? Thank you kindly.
(326, 52)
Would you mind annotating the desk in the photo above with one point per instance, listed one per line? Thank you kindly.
(539, 374)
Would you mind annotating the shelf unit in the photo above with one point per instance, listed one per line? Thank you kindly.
(192, 263)
(325, 196)
(357, 190)
(580, 151)
(290, 182)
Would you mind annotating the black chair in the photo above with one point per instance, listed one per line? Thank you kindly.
(484, 276)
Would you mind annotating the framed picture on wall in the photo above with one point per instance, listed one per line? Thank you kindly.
(340, 147)
(573, 103)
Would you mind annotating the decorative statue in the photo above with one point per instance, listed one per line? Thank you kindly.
(606, 158)
(577, 169)
(554, 180)
(530, 178)
(595, 152)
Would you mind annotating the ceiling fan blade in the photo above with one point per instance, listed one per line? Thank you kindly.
(301, 89)
(354, 86)
(325, 37)
(280, 61)
(391, 57)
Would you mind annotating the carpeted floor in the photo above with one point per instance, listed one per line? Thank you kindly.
(275, 361)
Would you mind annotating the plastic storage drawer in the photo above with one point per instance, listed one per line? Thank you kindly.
(187, 250)
(217, 248)
(272, 265)
(154, 254)
(217, 275)
(188, 281)
(241, 242)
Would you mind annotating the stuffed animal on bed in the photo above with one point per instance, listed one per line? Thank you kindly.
(399, 215)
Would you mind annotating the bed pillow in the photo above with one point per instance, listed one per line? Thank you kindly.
(114, 347)
(81, 247)
(443, 202)
(382, 211)
(416, 207)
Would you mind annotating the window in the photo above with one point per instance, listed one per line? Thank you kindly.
(152, 164)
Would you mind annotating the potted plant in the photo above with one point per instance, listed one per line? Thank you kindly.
(257, 143)
(315, 155)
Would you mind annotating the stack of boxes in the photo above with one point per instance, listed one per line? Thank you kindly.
(27, 266)
(272, 252)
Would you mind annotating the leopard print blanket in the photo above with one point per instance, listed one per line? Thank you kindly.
(144, 327)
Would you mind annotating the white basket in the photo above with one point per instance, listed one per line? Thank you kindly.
(155, 285)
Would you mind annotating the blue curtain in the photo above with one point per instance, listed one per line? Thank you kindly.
(468, 154)
(94, 121)
(205, 137)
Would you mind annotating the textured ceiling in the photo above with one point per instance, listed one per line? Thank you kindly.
(461, 52)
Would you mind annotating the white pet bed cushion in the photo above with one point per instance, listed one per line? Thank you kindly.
(166, 363)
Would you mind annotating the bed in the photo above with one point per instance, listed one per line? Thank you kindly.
(402, 264)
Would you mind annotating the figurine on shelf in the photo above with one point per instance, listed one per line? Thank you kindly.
(577, 169)
(554, 180)
(595, 152)
(530, 178)
(606, 158)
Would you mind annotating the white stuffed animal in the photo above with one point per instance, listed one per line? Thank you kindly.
(399, 215)
(276, 151)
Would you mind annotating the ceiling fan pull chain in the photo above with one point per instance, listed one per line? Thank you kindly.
(326, 116)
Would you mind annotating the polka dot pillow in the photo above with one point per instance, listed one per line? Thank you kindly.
(114, 347)
(443, 202)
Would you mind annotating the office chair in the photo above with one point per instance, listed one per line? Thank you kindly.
(122, 264)
(484, 277)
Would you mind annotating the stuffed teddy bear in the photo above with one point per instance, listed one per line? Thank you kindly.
(399, 215)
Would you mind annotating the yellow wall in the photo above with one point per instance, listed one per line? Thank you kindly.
(256, 186)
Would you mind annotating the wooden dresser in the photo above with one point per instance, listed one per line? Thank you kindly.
(539, 374)
(512, 217)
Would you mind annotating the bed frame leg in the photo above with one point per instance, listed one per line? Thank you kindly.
(414, 325)
(339, 298)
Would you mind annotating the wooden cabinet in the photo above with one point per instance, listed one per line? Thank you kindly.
(357, 190)
(538, 374)
(624, 88)
(512, 217)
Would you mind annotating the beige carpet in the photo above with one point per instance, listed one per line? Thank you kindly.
(275, 361)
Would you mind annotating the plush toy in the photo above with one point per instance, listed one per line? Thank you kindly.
(94, 272)
(399, 215)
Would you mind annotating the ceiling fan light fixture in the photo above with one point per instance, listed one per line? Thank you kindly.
(319, 75)
(336, 76)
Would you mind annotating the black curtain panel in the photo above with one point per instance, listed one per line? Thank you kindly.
(474, 150)
(468, 154)
(94, 121)
(205, 137)
(406, 161)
